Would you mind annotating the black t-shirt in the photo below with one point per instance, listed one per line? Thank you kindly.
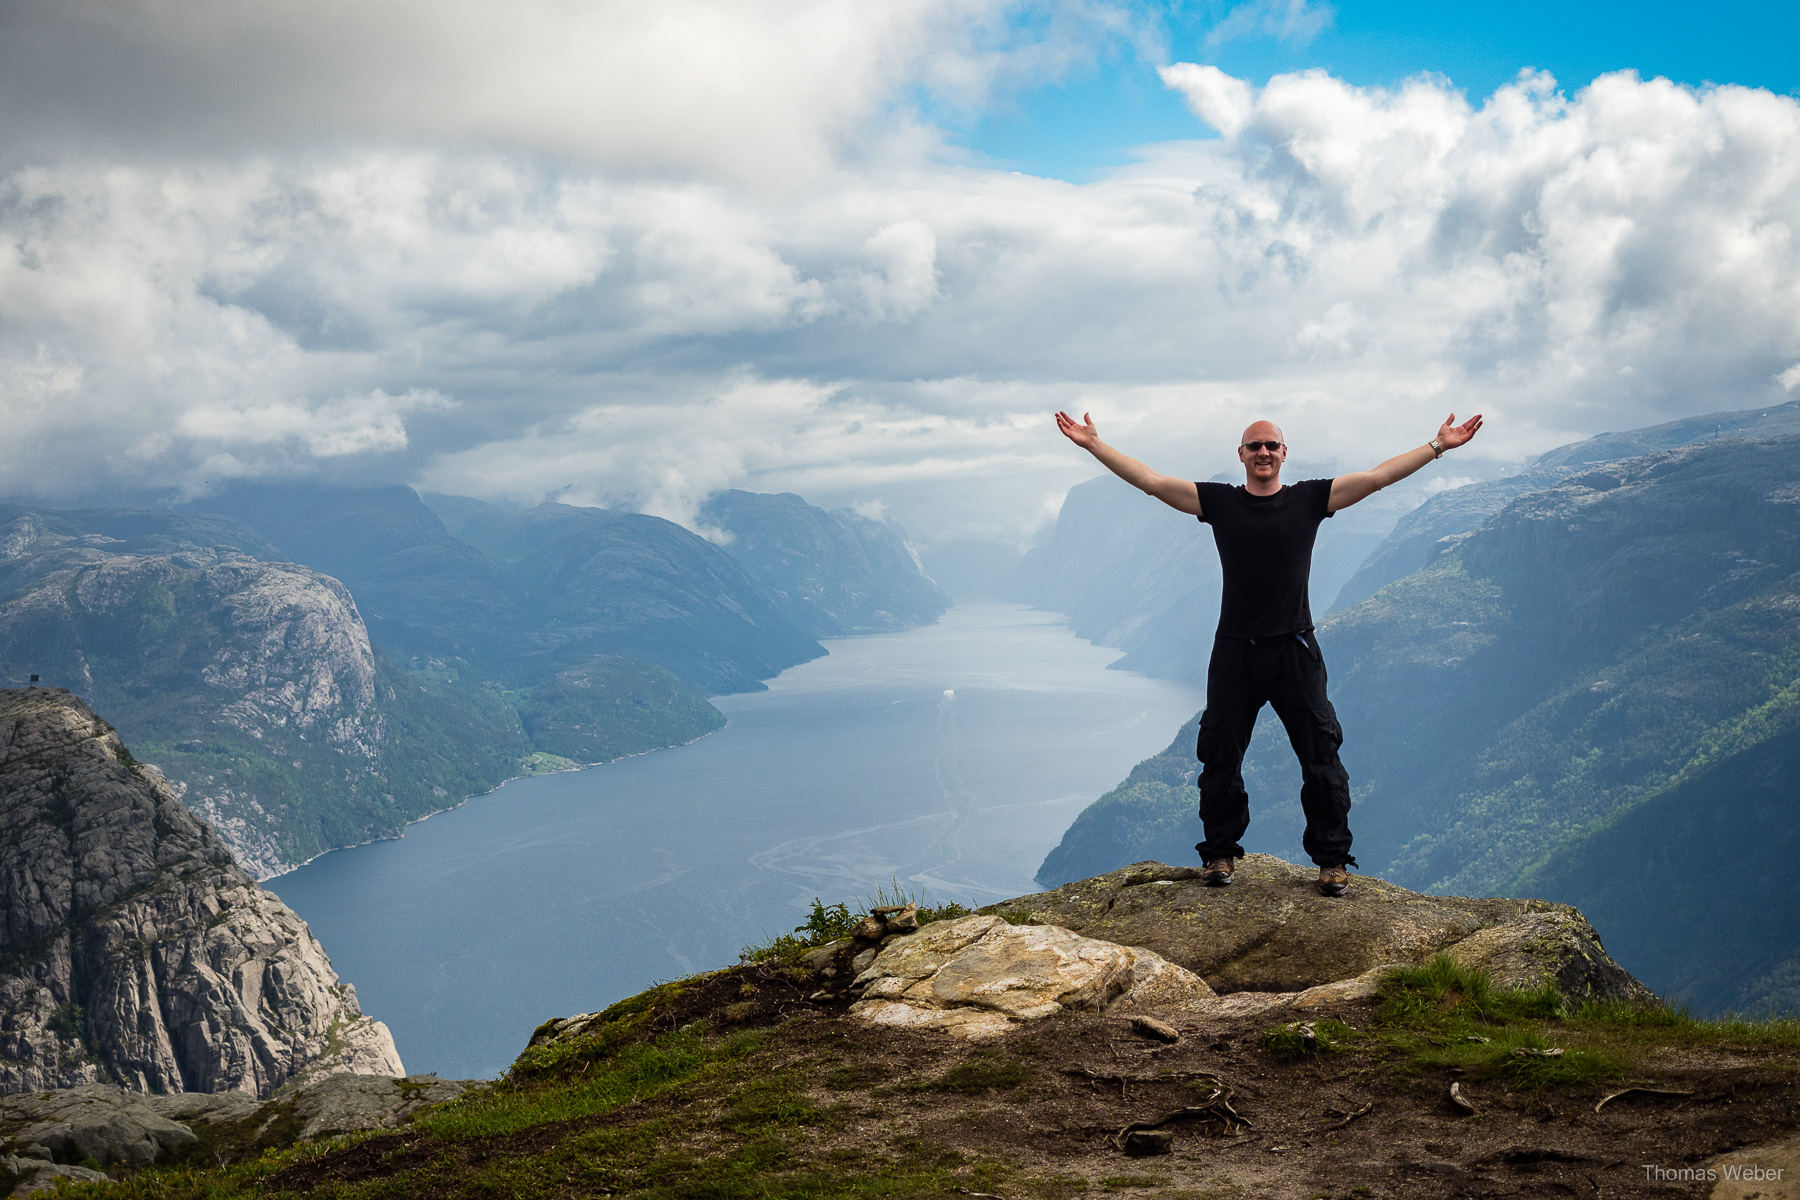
(1265, 549)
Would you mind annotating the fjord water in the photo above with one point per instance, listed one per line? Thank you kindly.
(949, 758)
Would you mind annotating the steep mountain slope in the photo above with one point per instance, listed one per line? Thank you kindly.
(132, 949)
(594, 581)
(1694, 884)
(1617, 640)
(252, 684)
(461, 618)
(1413, 540)
(830, 573)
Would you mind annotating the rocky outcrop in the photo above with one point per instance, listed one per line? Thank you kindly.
(1271, 931)
(229, 649)
(133, 950)
(48, 1134)
(1155, 939)
(978, 976)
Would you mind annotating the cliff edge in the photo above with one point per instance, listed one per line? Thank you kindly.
(133, 949)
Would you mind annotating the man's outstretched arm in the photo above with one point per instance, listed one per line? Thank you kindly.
(1360, 485)
(1179, 494)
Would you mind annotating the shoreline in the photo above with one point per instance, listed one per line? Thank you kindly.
(419, 820)
(764, 687)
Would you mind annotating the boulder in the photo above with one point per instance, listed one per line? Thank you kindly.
(116, 1127)
(1558, 948)
(40, 1176)
(1271, 932)
(348, 1103)
(1766, 1172)
(107, 1124)
(978, 976)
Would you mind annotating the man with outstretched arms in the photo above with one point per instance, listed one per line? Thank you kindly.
(1265, 651)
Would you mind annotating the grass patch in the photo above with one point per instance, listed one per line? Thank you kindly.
(1304, 1039)
(1443, 1014)
(774, 1100)
(980, 1075)
(610, 1075)
(1676, 1025)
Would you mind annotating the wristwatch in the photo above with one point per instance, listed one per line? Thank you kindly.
(1437, 448)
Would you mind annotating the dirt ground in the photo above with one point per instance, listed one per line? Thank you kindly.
(1047, 1103)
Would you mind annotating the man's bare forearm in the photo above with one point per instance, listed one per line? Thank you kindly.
(1401, 465)
(1127, 468)
(1178, 494)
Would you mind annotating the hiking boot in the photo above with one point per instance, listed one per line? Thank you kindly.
(1218, 872)
(1333, 881)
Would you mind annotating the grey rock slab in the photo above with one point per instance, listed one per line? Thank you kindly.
(107, 1124)
(1558, 948)
(45, 1176)
(1271, 931)
(204, 1108)
(1766, 1172)
(348, 1103)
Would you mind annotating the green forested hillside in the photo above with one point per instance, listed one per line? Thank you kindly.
(1413, 541)
(830, 573)
(1611, 645)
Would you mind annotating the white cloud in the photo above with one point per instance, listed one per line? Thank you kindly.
(1296, 21)
(1212, 95)
(764, 91)
(1352, 262)
(350, 425)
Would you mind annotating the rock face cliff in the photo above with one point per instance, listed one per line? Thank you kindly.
(133, 950)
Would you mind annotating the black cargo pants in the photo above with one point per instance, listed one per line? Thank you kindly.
(1287, 672)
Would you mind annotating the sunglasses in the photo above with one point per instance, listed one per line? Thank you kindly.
(1271, 447)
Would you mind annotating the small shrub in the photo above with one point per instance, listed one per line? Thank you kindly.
(827, 922)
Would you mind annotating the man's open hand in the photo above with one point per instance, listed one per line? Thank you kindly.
(1451, 435)
(1085, 435)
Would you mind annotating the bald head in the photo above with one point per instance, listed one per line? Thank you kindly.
(1262, 466)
